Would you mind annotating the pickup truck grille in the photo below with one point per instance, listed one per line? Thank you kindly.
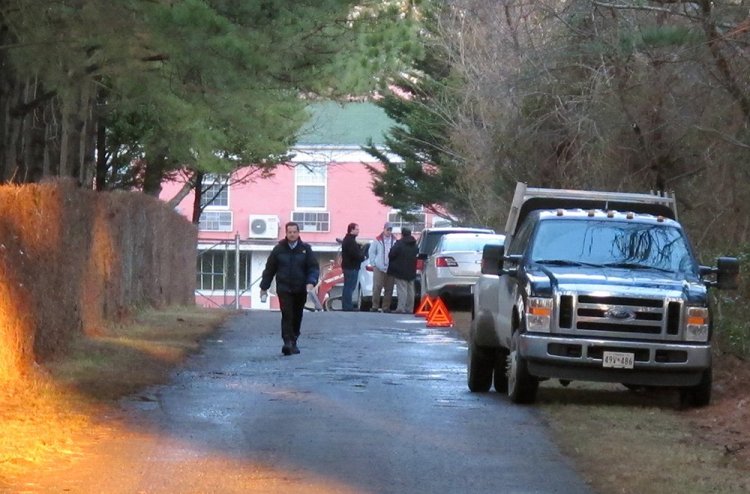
(628, 315)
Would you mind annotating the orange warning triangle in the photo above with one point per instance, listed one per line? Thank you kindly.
(439, 316)
(424, 307)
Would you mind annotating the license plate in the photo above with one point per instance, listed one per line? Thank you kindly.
(618, 360)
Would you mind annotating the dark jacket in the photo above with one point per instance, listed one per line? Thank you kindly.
(403, 259)
(293, 268)
(351, 253)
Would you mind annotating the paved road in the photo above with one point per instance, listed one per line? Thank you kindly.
(375, 403)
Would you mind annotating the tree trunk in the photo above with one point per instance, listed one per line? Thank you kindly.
(153, 174)
(63, 157)
(87, 138)
(101, 143)
(198, 185)
(101, 157)
(183, 192)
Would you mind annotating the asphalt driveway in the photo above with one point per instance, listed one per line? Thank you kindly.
(375, 403)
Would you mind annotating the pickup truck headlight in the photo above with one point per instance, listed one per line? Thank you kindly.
(539, 314)
(696, 328)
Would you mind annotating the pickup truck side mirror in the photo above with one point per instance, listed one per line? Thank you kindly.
(492, 259)
(727, 272)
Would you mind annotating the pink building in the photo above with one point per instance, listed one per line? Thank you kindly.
(325, 187)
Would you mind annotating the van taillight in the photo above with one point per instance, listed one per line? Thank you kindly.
(420, 265)
(445, 262)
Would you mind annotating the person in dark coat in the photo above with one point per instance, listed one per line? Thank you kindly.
(351, 259)
(402, 265)
(296, 269)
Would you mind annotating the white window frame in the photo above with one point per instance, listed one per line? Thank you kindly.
(303, 176)
(315, 212)
(217, 212)
(216, 181)
(218, 275)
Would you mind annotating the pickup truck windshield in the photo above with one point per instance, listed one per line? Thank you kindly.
(616, 244)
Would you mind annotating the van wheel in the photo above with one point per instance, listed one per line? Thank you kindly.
(480, 367)
(522, 386)
(700, 394)
(361, 303)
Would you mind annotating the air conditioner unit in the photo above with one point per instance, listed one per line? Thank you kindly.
(264, 226)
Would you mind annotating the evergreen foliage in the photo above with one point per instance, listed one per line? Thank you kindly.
(153, 87)
(421, 103)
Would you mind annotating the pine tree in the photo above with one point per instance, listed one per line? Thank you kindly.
(154, 87)
(422, 105)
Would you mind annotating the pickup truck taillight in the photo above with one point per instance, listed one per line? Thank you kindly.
(445, 262)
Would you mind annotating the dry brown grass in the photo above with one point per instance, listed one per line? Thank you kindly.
(127, 358)
(53, 414)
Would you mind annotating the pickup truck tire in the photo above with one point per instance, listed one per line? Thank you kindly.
(522, 386)
(700, 394)
(501, 371)
(480, 367)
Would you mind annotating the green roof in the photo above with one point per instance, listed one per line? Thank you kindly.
(347, 124)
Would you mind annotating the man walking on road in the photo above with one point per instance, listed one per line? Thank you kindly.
(403, 267)
(296, 269)
(378, 254)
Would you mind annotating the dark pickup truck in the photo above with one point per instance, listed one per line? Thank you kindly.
(594, 286)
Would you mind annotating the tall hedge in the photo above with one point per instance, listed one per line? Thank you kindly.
(72, 259)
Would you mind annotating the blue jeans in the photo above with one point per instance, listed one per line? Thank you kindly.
(350, 281)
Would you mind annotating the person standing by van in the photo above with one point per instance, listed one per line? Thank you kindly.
(403, 266)
(378, 255)
(351, 259)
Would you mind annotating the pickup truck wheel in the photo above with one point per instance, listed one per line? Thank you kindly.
(700, 394)
(501, 371)
(522, 386)
(481, 364)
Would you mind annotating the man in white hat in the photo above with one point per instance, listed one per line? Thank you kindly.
(378, 259)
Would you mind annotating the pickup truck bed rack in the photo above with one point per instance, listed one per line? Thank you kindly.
(528, 199)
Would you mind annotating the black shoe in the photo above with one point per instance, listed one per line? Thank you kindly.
(295, 350)
(286, 349)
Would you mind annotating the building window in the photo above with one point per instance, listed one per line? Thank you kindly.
(312, 221)
(211, 271)
(415, 220)
(215, 221)
(215, 192)
(216, 270)
(311, 180)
